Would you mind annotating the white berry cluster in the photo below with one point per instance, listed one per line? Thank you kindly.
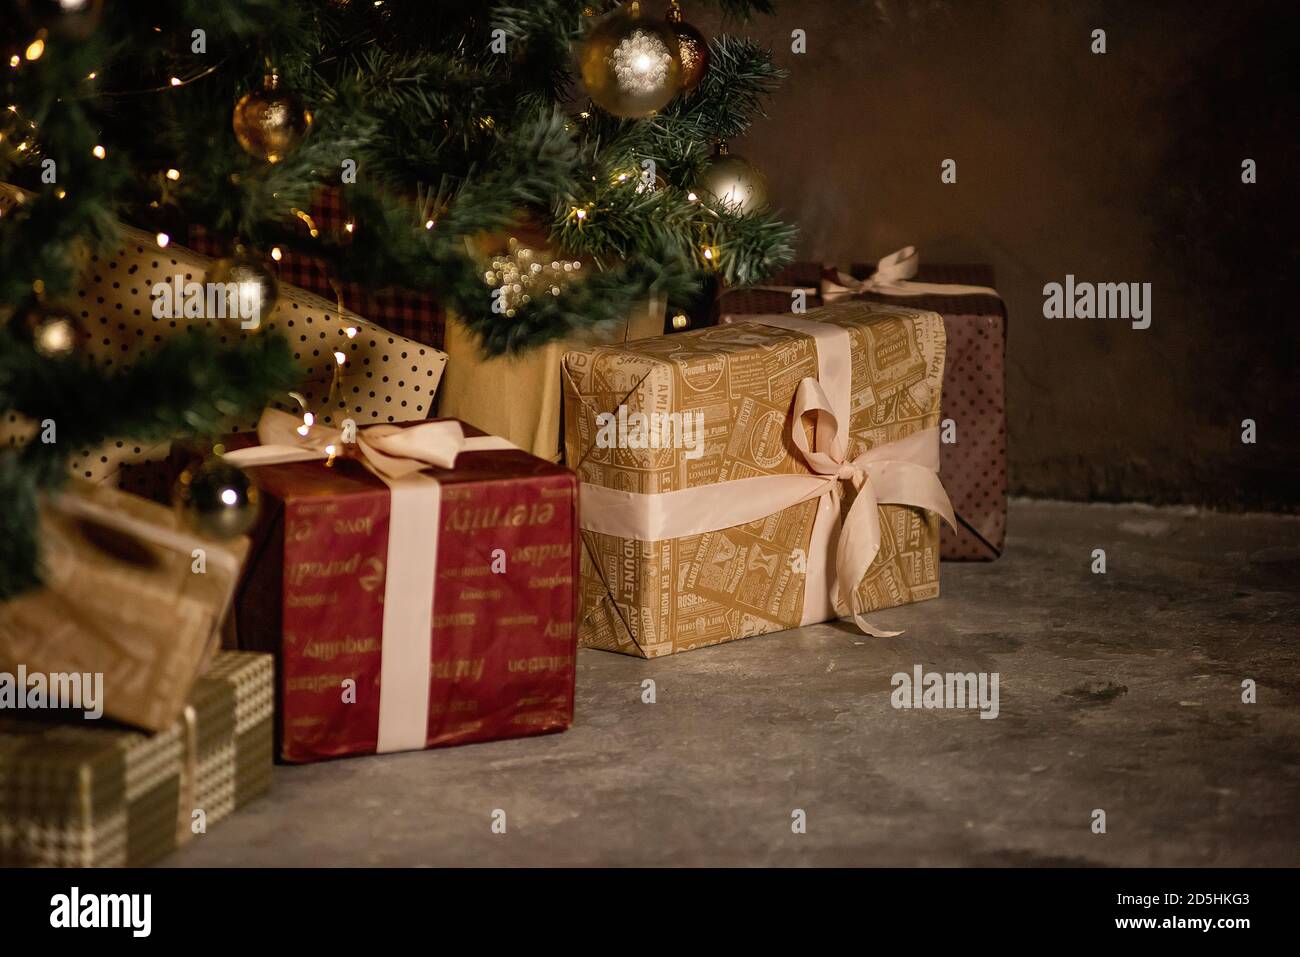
(520, 276)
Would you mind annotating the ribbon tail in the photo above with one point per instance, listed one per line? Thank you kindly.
(867, 628)
(859, 542)
(256, 455)
(906, 483)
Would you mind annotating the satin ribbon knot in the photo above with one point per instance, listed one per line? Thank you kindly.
(390, 451)
(903, 472)
(893, 277)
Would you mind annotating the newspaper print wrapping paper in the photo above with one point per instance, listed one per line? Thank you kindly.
(658, 598)
(120, 597)
(79, 793)
(386, 378)
(974, 468)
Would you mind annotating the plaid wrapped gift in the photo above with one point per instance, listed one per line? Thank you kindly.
(77, 794)
(414, 315)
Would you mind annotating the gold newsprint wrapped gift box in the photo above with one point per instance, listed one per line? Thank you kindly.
(803, 423)
(77, 793)
(122, 596)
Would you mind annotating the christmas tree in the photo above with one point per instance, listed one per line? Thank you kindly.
(592, 127)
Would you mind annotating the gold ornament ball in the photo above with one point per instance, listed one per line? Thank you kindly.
(631, 67)
(270, 123)
(216, 500)
(694, 49)
(248, 290)
(52, 331)
(736, 183)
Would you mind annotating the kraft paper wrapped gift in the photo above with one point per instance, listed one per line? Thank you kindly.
(122, 595)
(418, 594)
(386, 378)
(519, 397)
(76, 793)
(814, 493)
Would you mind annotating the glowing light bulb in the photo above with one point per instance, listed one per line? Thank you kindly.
(35, 49)
(173, 174)
(276, 254)
(229, 496)
(99, 152)
(162, 239)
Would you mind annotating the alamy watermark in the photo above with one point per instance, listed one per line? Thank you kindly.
(1102, 300)
(949, 690)
(36, 691)
(654, 430)
(179, 299)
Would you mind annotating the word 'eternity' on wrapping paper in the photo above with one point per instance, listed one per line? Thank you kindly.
(657, 597)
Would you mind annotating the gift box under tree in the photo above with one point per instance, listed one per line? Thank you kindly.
(417, 588)
(730, 525)
(384, 377)
(129, 593)
(77, 793)
(974, 457)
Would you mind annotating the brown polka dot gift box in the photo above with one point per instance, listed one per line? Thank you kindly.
(149, 288)
(973, 450)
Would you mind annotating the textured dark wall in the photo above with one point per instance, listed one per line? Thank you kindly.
(1122, 167)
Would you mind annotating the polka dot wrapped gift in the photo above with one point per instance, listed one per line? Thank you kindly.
(354, 369)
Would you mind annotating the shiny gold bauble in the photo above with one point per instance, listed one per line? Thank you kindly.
(630, 66)
(216, 500)
(72, 18)
(270, 123)
(248, 293)
(694, 49)
(735, 182)
(50, 330)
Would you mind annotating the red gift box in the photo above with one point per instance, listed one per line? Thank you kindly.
(974, 468)
(431, 610)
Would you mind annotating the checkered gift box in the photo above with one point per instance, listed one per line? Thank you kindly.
(76, 793)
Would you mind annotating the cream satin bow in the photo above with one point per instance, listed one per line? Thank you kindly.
(904, 472)
(893, 277)
(390, 451)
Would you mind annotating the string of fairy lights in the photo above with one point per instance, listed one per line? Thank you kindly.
(631, 66)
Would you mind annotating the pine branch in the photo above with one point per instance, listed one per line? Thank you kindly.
(191, 385)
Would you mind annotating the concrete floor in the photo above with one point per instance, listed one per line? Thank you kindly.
(1120, 692)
